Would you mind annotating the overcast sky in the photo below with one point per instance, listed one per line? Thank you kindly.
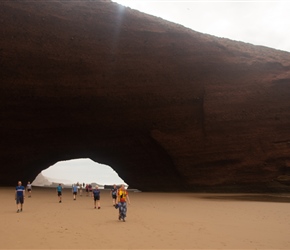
(82, 170)
(264, 23)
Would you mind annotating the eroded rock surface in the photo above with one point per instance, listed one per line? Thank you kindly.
(167, 107)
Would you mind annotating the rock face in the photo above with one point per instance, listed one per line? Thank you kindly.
(168, 108)
(42, 180)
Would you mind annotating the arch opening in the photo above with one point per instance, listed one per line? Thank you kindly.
(81, 170)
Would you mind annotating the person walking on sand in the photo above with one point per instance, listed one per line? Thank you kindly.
(19, 196)
(81, 190)
(74, 191)
(87, 189)
(90, 190)
(59, 192)
(122, 197)
(113, 192)
(29, 189)
(97, 196)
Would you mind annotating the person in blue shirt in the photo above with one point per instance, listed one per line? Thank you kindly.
(75, 191)
(113, 192)
(59, 192)
(96, 195)
(19, 196)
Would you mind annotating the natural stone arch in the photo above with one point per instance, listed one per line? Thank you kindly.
(172, 108)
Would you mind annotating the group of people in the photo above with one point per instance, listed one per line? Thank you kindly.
(120, 197)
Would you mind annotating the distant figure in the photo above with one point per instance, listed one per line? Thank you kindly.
(74, 191)
(123, 197)
(81, 190)
(97, 196)
(91, 190)
(19, 196)
(29, 189)
(114, 191)
(87, 189)
(59, 192)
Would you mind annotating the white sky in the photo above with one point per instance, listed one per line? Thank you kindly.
(82, 170)
(264, 23)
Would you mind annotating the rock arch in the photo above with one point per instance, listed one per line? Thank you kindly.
(168, 107)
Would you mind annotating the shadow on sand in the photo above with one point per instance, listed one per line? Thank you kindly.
(281, 198)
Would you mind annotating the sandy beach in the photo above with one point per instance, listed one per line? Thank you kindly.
(154, 221)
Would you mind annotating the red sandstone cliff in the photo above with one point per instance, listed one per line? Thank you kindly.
(165, 106)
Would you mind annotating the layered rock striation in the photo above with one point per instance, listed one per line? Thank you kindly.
(167, 107)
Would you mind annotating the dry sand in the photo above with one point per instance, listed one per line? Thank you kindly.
(155, 221)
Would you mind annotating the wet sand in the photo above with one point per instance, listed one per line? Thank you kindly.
(155, 221)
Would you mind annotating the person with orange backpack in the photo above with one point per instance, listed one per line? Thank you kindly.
(122, 197)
